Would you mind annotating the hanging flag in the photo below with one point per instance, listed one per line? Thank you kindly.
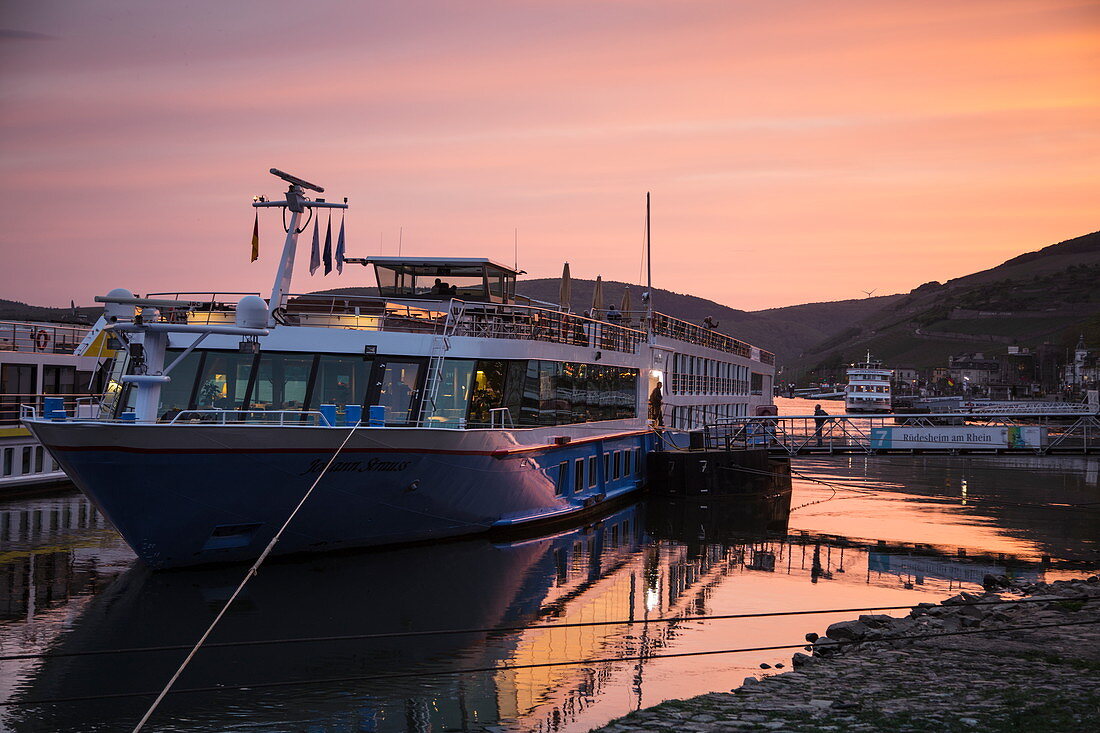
(315, 253)
(340, 247)
(328, 246)
(256, 239)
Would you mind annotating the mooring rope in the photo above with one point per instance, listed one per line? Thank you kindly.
(247, 576)
(530, 627)
(537, 665)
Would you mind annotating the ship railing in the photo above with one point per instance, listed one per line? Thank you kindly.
(11, 405)
(795, 434)
(680, 330)
(377, 313)
(500, 417)
(41, 338)
(252, 417)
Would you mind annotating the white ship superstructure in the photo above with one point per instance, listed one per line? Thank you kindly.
(37, 362)
(868, 387)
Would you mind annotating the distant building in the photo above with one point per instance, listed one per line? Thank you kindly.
(1083, 372)
(970, 372)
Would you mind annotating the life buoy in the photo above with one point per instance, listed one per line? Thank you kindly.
(42, 340)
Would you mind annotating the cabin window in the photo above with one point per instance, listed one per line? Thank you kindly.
(39, 453)
(339, 380)
(25, 466)
(397, 387)
(59, 380)
(606, 467)
(9, 459)
(224, 380)
(757, 386)
(282, 383)
(561, 477)
(578, 475)
(453, 397)
(487, 392)
(593, 477)
(618, 464)
(18, 382)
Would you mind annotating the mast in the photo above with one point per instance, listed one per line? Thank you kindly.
(648, 263)
(296, 203)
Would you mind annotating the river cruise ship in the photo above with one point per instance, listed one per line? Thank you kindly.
(444, 405)
(37, 362)
(868, 387)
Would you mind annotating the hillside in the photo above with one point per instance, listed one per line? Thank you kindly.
(12, 310)
(784, 331)
(1050, 295)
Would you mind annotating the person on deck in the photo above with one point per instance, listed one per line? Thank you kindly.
(820, 418)
(656, 400)
(614, 315)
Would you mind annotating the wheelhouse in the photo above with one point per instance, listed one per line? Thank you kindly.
(473, 279)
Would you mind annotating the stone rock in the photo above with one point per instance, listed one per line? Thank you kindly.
(765, 665)
(800, 660)
(779, 665)
(811, 637)
(876, 619)
(825, 646)
(846, 630)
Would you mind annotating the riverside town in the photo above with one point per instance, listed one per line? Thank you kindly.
(550, 367)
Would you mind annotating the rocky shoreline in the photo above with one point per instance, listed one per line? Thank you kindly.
(968, 664)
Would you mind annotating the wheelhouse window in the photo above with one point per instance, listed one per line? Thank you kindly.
(471, 279)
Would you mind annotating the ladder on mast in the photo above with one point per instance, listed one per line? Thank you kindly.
(441, 344)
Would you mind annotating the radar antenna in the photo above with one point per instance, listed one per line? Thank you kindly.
(296, 181)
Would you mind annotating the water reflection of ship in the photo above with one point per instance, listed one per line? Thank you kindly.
(916, 569)
(41, 538)
(596, 572)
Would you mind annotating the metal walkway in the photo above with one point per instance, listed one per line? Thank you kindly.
(948, 433)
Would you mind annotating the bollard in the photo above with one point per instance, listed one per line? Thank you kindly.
(328, 412)
(377, 416)
(353, 414)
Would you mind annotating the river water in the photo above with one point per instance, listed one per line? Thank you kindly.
(861, 532)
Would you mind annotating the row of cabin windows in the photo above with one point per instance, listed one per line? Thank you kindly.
(868, 388)
(700, 375)
(19, 383)
(690, 417)
(533, 392)
(26, 459)
(585, 473)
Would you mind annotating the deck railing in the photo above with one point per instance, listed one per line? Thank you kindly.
(487, 320)
(41, 338)
(664, 325)
(374, 313)
(82, 404)
(815, 434)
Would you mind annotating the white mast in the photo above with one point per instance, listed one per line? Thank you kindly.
(296, 203)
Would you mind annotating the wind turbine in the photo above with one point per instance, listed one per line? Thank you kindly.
(868, 292)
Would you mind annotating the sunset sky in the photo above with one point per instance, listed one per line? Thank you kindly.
(796, 150)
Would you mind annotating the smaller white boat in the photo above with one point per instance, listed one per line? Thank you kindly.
(868, 387)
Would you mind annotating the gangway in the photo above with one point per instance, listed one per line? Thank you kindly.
(945, 433)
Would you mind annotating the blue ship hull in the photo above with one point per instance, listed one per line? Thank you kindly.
(193, 494)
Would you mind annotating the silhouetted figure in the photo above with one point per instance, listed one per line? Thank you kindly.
(820, 418)
(656, 403)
